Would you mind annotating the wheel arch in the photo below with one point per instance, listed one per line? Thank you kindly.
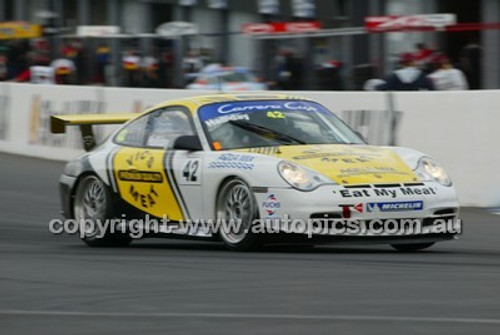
(223, 182)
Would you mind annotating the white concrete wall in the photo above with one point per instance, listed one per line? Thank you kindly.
(461, 130)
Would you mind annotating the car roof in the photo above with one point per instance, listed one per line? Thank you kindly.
(198, 101)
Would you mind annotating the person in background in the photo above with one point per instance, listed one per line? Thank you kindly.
(446, 77)
(73, 52)
(102, 60)
(131, 68)
(18, 61)
(192, 62)
(150, 67)
(64, 68)
(3, 67)
(79, 57)
(289, 72)
(408, 78)
(329, 75)
(470, 64)
(282, 74)
(165, 69)
(38, 72)
(423, 53)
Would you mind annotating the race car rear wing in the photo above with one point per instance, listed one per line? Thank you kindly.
(58, 124)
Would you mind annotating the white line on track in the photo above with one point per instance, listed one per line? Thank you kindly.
(254, 316)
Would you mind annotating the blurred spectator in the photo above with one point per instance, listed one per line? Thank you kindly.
(38, 71)
(165, 69)
(150, 67)
(470, 63)
(69, 51)
(102, 60)
(3, 67)
(361, 73)
(131, 69)
(329, 75)
(423, 54)
(64, 68)
(282, 75)
(408, 78)
(77, 55)
(192, 64)
(289, 71)
(373, 84)
(446, 77)
(42, 74)
(17, 58)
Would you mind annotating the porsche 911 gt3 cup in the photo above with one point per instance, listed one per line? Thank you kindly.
(253, 158)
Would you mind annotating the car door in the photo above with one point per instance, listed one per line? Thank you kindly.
(147, 170)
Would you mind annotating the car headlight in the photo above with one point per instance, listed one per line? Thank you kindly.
(429, 170)
(301, 178)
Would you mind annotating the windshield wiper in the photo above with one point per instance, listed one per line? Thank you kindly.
(260, 130)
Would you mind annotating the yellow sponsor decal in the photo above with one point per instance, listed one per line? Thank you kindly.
(348, 164)
(142, 182)
(140, 176)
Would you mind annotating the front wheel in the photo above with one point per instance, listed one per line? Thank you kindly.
(411, 247)
(236, 211)
(93, 211)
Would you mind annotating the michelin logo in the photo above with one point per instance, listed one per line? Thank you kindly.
(395, 206)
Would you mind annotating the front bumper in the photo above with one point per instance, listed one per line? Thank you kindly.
(366, 205)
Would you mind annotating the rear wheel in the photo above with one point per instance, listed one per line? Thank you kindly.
(411, 247)
(236, 212)
(92, 207)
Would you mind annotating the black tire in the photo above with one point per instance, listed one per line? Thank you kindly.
(236, 201)
(412, 247)
(93, 201)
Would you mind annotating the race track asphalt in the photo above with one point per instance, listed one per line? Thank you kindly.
(55, 285)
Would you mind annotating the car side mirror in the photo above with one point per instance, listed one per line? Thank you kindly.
(188, 142)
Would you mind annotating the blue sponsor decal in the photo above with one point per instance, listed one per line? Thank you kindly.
(233, 161)
(217, 110)
(395, 206)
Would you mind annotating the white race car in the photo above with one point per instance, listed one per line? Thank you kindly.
(230, 79)
(282, 168)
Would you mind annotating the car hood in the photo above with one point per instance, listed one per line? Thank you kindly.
(347, 164)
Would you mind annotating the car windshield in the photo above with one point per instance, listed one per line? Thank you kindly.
(250, 124)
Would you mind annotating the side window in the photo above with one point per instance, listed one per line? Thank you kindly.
(134, 133)
(166, 125)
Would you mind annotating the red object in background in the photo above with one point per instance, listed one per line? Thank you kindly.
(407, 58)
(440, 59)
(280, 27)
(423, 54)
(69, 51)
(409, 22)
